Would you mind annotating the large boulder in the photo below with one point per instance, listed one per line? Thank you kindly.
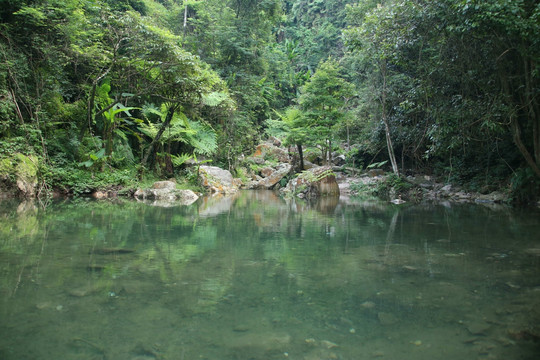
(316, 182)
(26, 170)
(274, 177)
(267, 166)
(309, 165)
(165, 193)
(217, 180)
(18, 175)
(339, 160)
(270, 151)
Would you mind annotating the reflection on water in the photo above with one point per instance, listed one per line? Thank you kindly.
(257, 277)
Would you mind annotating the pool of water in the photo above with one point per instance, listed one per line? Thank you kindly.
(257, 277)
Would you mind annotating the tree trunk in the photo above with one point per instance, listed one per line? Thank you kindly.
(168, 118)
(301, 155)
(389, 144)
(532, 113)
(185, 23)
(91, 104)
(329, 158)
(529, 105)
(348, 138)
(390, 147)
(522, 148)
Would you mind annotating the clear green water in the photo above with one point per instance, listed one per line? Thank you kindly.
(255, 277)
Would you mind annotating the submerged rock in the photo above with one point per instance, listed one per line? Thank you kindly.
(241, 328)
(328, 344)
(43, 305)
(259, 341)
(533, 251)
(368, 304)
(478, 327)
(82, 291)
(387, 318)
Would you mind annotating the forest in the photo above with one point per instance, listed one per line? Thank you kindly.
(100, 93)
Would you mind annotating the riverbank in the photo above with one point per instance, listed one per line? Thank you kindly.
(414, 188)
(23, 178)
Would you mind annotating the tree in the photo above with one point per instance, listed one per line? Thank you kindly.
(315, 26)
(237, 38)
(184, 81)
(374, 40)
(322, 101)
(292, 127)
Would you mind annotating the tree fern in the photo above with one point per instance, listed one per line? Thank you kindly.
(202, 138)
(214, 98)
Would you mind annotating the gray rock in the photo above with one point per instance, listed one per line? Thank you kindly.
(275, 141)
(164, 185)
(309, 165)
(165, 194)
(319, 181)
(280, 172)
(446, 188)
(339, 160)
(267, 171)
(256, 160)
(267, 150)
(217, 180)
(494, 197)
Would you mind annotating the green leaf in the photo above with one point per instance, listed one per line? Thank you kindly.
(377, 164)
(179, 160)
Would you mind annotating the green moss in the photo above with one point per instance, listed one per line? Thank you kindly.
(242, 174)
(27, 167)
(6, 168)
(256, 168)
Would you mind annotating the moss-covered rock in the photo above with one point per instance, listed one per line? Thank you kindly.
(6, 176)
(26, 171)
(316, 182)
(6, 168)
(19, 175)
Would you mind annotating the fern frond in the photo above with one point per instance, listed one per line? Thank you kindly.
(204, 140)
(148, 129)
(178, 160)
(151, 109)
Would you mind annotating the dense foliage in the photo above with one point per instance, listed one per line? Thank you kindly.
(457, 82)
(138, 87)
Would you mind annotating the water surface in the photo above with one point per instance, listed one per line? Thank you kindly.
(257, 277)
